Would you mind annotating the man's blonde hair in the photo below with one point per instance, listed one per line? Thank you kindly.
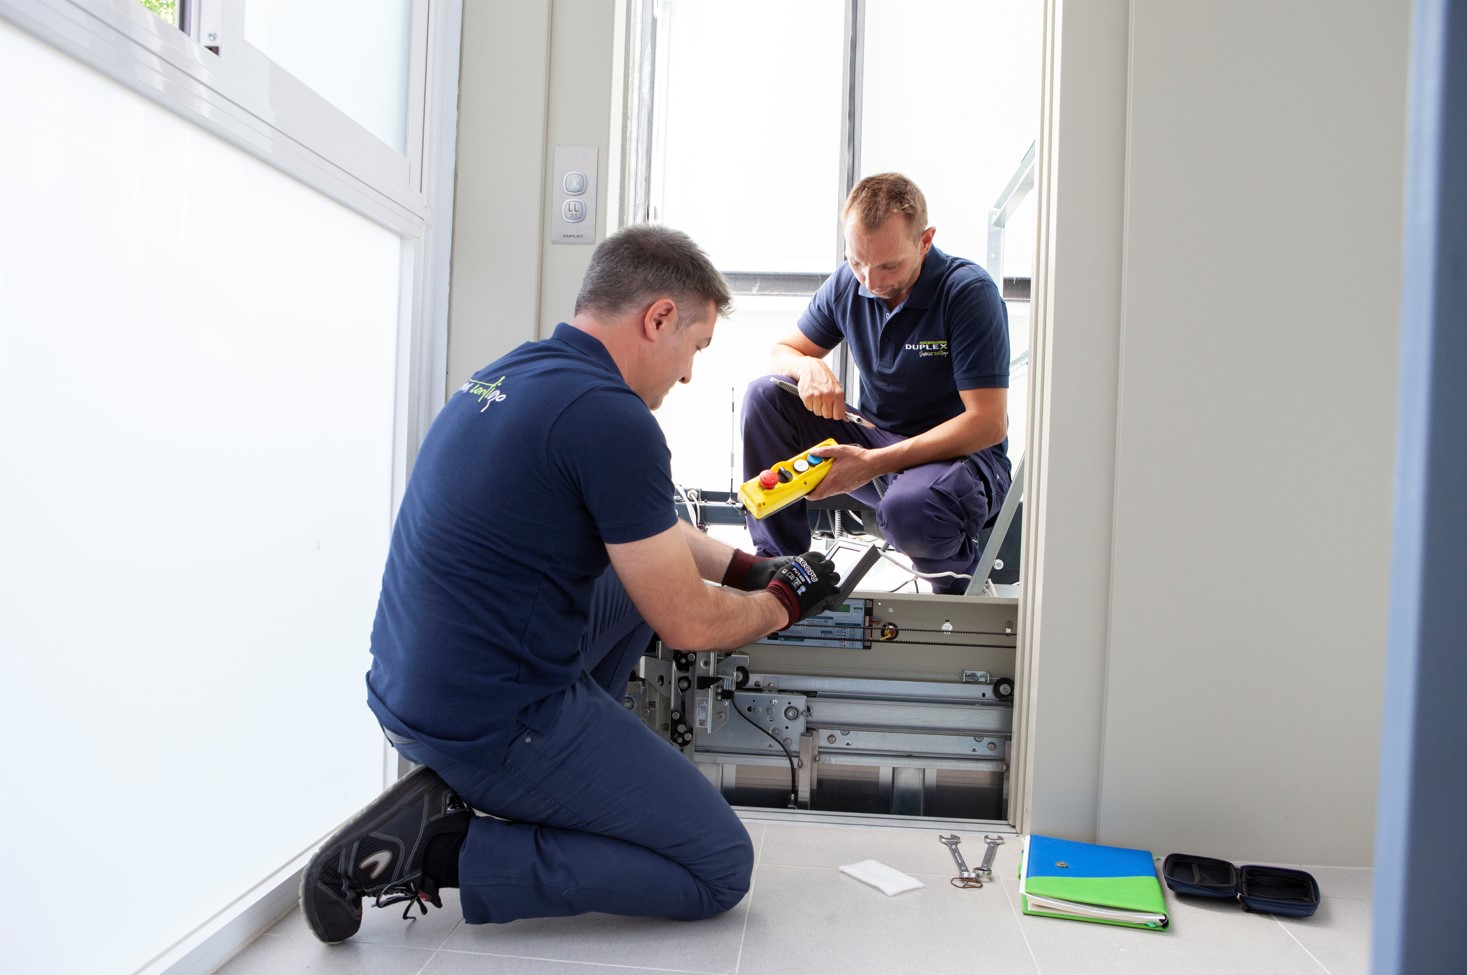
(877, 197)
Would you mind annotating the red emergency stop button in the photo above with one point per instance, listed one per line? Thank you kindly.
(768, 479)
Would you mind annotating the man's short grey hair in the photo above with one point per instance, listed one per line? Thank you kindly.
(639, 264)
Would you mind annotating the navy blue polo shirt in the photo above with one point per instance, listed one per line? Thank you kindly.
(531, 468)
(951, 333)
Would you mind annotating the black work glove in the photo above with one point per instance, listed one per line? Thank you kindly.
(752, 572)
(806, 584)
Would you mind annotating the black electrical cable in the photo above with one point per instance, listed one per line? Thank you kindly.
(794, 777)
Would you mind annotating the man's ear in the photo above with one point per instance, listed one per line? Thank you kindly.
(661, 316)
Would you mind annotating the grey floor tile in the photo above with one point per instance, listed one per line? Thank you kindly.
(448, 962)
(710, 945)
(817, 919)
(386, 926)
(1338, 934)
(910, 851)
(1354, 883)
(276, 955)
(1201, 942)
(756, 835)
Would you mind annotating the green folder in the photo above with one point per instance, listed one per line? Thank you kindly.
(1088, 882)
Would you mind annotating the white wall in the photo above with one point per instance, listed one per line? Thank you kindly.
(198, 389)
(1071, 474)
(583, 42)
(1260, 241)
(539, 75)
(495, 301)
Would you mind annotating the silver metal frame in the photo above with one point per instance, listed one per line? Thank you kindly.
(850, 126)
(1020, 185)
(639, 57)
(984, 569)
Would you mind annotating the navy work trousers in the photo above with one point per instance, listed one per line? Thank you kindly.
(600, 814)
(931, 513)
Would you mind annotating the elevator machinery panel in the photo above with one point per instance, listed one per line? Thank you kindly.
(890, 705)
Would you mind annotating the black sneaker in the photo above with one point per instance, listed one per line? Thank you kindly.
(379, 854)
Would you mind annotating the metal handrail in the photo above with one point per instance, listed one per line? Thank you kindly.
(1008, 201)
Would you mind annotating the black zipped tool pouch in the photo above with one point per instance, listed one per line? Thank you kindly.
(1263, 890)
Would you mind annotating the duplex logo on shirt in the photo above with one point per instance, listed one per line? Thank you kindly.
(488, 393)
(928, 347)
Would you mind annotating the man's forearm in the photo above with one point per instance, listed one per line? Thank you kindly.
(663, 576)
(738, 618)
(709, 554)
(962, 435)
(785, 361)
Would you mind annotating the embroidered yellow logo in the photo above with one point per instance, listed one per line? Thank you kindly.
(488, 393)
(928, 347)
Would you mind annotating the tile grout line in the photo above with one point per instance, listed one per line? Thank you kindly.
(749, 898)
(428, 961)
(1019, 923)
(1322, 966)
(446, 939)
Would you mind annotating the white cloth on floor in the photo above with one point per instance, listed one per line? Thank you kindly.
(882, 877)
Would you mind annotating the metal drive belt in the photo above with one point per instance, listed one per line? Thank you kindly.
(876, 631)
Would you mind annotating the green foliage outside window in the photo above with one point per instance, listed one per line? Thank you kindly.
(167, 9)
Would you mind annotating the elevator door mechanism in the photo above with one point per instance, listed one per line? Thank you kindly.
(893, 706)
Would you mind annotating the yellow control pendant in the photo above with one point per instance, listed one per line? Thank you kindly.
(785, 482)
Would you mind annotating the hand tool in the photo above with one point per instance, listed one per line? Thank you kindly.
(965, 877)
(985, 869)
(851, 414)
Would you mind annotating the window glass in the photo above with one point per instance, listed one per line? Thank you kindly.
(951, 99)
(1019, 241)
(747, 151)
(700, 419)
(355, 55)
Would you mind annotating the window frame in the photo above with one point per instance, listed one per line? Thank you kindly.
(240, 96)
(646, 80)
(312, 120)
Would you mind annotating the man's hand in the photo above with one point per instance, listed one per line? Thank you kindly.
(851, 467)
(820, 390)
(752, 572)
(806, 584)
(762, 572)
(803, 361)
